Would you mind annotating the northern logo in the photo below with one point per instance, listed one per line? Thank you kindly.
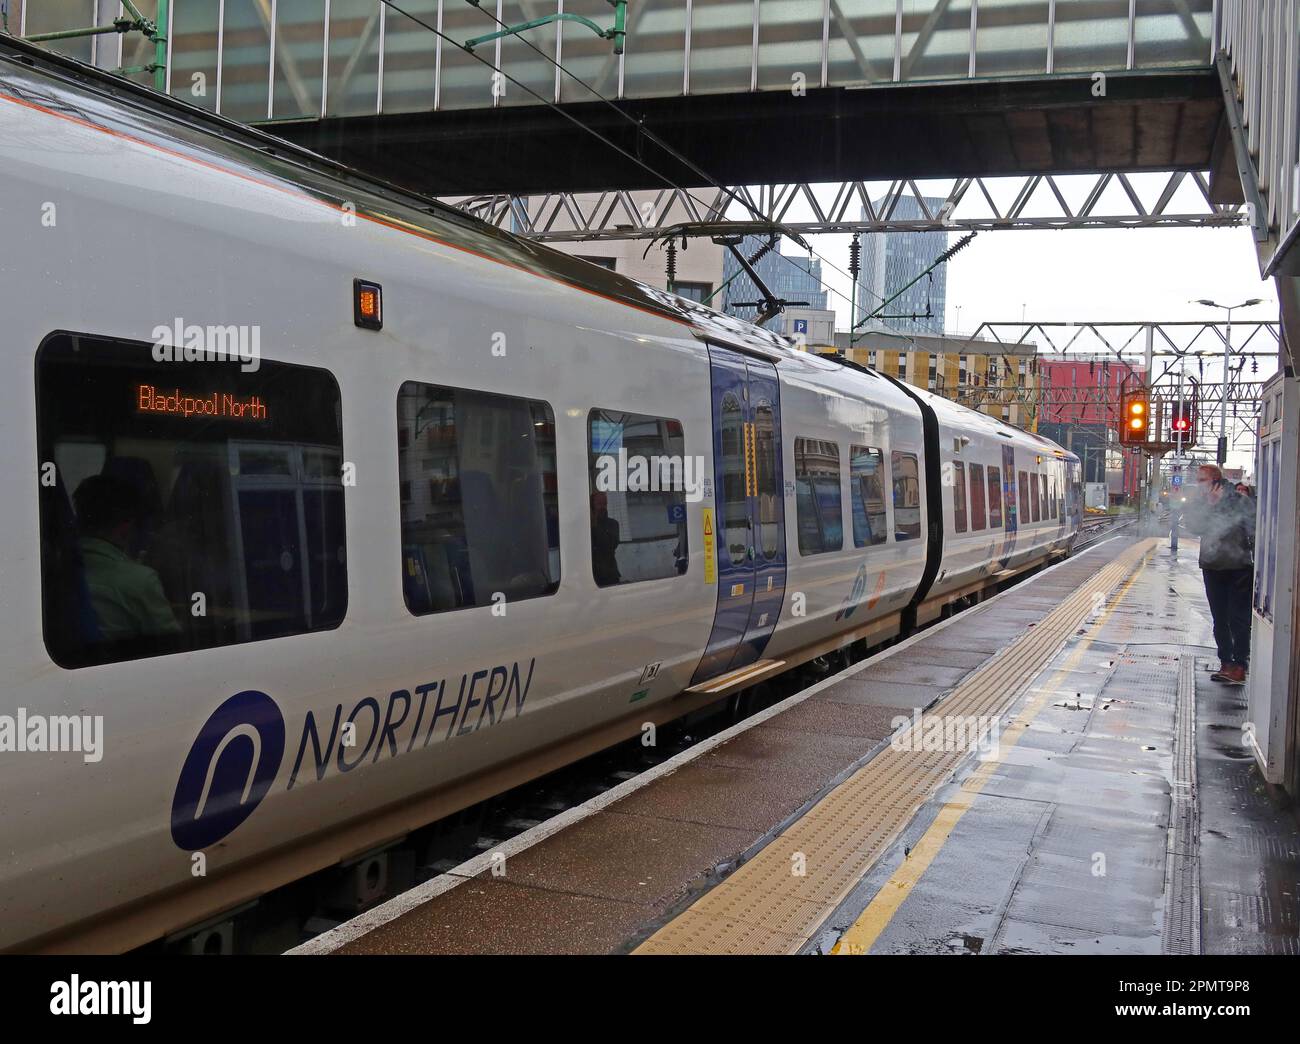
(229, 769)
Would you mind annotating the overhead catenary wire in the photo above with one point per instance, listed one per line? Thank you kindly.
(642, 129)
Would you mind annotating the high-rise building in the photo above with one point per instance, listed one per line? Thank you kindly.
(891, 260)
(788, 278)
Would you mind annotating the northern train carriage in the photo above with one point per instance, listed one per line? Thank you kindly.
(330, 505)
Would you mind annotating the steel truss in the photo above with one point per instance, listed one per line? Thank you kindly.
(1040, 201)
(1175, 346)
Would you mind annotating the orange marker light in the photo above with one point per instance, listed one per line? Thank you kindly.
(367, 305)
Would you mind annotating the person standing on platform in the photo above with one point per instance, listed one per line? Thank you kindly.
(1225, 521)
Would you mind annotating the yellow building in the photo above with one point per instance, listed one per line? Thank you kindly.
(1001, 380)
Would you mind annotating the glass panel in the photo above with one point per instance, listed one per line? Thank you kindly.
(247, 60)
(465, 82)
(959, 496)
(483, 517)
(789, 44)
(936, 39)
(867, 484)
(1090, 35)
(354, 57)
(861, 46)
(722, 45)
(977, 520)
(1011, 38)
(185, 516)
(656, 49)
(995, 498)
(52, 16)
(586, 56)
(735, 504)
(907, 495)
(1035, 510)
(765, 460)
(638, 497)
(521, 61)
(817, 499)
(194, 55)
(410, 56)
(1024, 501)
(299, 41)
(1172, 32)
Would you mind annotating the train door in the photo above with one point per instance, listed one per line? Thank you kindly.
(749, 520)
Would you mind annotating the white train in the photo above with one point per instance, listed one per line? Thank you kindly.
(333, 502)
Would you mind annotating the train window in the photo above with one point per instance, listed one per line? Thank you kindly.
(483, 522)
(766, 449)
(907, 495)
(1042, 497)
(817, 496)
(977, 496)
(995, 497)
(189, 506)
(1051, 499)
(959, 496)
(735, 495)
(867, 485)
(638, 497)
(1035, 509)
(1023, 502)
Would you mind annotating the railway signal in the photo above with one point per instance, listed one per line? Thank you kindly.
(1182, 423)
(1135, 418)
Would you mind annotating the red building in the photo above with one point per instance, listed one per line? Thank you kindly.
(1080, 410)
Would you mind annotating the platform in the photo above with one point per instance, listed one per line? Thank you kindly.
(1085, 789)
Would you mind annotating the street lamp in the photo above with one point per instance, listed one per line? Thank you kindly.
(1222, 454)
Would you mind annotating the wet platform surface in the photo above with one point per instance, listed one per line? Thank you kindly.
(1084, 828)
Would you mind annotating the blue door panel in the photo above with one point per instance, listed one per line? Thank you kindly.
(750, 521)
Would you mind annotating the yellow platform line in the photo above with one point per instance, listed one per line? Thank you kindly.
(776, 900)
(862, 935)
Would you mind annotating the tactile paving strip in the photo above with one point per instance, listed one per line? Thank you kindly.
(776, 900)
(1182, 929)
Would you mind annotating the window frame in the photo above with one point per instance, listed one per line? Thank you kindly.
(591, 482)
(301, 480)
(960, 509)
(994, 479)
(554, 586)
(855, 490)
(818, 511)
(895, 456)
(978, 515)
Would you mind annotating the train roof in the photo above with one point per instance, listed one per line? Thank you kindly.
(64, 86)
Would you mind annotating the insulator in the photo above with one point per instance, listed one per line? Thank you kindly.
(672, 264)
(855, 256)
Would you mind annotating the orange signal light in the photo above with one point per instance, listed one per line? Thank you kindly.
(367, 305)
